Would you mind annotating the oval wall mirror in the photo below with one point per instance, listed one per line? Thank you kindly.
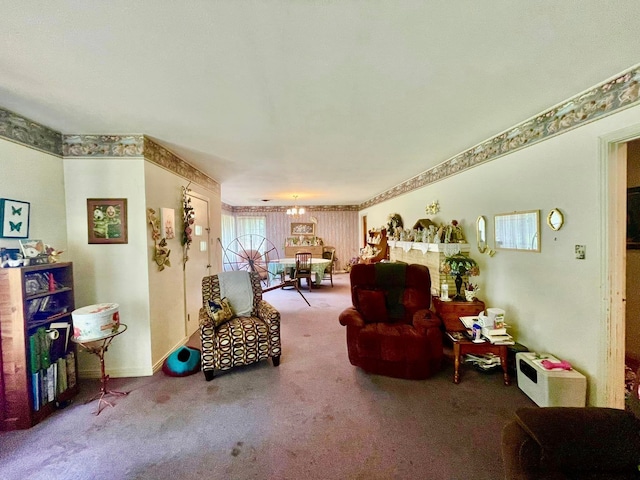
(481, 233)
(555, 219)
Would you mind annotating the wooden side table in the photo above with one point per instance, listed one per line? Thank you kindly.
(462, 346)
(450, 312)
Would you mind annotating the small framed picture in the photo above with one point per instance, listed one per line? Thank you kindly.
(32, 248)
(168, 223)
(14, 218)
(107, 220)
(303, 228)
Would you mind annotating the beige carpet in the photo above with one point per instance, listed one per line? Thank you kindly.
(313, 417)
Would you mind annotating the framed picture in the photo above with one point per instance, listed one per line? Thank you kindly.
(303, 229)
(168, 223)
(32, 248)
(14, 218)
(633, 218)
(107, 220)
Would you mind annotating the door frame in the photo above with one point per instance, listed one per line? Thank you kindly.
(207, 200)
(613, 258)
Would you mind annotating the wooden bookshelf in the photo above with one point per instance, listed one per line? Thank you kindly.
(29, 303)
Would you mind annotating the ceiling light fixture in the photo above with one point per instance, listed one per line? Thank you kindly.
(295, 210)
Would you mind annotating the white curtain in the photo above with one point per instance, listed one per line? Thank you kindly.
(228, 229)
(251, 226)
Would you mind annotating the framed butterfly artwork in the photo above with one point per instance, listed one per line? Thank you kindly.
(14, 218)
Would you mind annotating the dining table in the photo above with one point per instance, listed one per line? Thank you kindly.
(318, 265)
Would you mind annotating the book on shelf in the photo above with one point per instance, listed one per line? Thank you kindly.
(36, 381)
(71, 369)
(51, 382)
(62, 375)
(60, 345)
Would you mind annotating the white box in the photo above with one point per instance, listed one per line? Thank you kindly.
(550, 388)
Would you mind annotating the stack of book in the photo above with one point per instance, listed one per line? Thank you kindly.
(497, 336)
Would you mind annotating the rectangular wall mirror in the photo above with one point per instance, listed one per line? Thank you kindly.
(518, 231)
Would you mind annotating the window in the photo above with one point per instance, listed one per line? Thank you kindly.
(251, 226)
(228, 229)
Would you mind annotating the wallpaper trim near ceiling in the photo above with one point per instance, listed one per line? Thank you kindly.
(169, 160)
(283, 209)
(609, 97)
(19, 129)
(102, 145)
(134, 146)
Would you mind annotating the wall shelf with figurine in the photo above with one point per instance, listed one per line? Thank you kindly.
(430, 254)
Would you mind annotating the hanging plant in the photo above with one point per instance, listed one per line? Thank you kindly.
(160, 250)
(188, 219)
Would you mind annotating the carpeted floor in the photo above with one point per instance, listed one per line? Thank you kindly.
(313, 417)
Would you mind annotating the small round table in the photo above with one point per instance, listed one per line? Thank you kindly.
(99, 347)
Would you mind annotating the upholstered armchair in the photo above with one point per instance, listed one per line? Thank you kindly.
(237, 327)
(556, 443)
(390, 329)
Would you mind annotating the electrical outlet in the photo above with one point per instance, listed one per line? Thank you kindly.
(581, 252)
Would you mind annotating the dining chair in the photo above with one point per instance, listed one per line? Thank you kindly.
(329, 254)
(303, 268)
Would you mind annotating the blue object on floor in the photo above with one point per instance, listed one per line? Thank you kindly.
(184, 361)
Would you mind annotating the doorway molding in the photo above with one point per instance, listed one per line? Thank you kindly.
(613, 258)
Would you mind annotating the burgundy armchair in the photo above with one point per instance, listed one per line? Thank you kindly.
(556, 443)
(390, 329)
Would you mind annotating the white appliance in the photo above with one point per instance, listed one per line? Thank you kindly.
(550, 388)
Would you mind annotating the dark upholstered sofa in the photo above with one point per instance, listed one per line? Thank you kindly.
(556, 443)
(390, 329)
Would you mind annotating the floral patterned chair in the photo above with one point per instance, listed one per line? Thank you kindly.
(251, 334)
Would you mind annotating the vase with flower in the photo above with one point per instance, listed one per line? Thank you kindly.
(459, 265)
(471, 291)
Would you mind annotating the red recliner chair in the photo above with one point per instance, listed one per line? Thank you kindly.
(390, 329)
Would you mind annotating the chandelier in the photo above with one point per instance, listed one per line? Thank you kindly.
(295, 210)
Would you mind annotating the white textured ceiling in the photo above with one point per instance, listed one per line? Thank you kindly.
(334, 101)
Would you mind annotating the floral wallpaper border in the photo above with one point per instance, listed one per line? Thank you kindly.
(605, 99)
(276, 209)
(21, 130)
(102, 145)
(134, 146)
(611, 96)
(169, 160)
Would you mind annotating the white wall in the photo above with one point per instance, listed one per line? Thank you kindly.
(166, 288)
(32, 176)
(553, 301)
(112, 273)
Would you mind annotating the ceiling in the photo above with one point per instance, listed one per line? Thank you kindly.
(333, 101)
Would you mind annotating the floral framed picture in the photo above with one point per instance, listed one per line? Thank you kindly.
(14, 218)
(303, 229)
(107, 220)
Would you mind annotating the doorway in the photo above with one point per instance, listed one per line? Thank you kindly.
(632, 313)
(199, 263)
(613, 215)
(364, 231)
